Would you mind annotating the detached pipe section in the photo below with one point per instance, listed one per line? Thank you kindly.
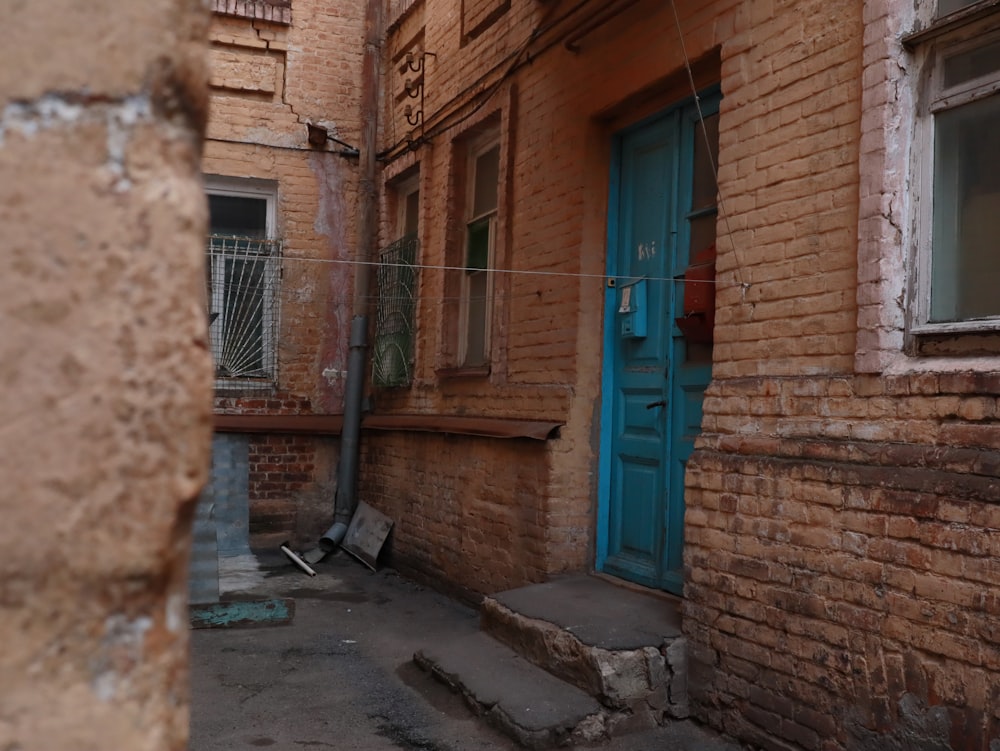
(350, 437)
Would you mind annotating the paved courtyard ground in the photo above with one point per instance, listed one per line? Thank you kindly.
(340, 675)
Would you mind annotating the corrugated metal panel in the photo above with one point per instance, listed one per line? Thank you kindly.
(203, 575)
(231, 492)
(221, 523)
(490, 427)
(318, 424)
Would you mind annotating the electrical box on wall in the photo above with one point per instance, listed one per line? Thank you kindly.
(632, 310)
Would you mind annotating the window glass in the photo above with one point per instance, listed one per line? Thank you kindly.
(971, 64)
(411, 213)
(475, 346)
(238, 216)
(243, 317)
(965, 264)
(487, 176)
(950, 6)
(479, 245)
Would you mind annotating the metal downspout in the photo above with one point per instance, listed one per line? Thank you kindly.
(347, 474)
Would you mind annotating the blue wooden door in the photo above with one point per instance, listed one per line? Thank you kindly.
(657, 352)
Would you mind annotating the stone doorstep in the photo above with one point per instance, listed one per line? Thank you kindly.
(529, 705)
(572, 661)
(641, 674)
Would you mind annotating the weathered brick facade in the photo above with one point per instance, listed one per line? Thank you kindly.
(554, 112)
(276, 67)
(842, 499)
(841, 560)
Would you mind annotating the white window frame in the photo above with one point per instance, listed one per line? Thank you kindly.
(476, 149)
(930, 54)
(219, 185)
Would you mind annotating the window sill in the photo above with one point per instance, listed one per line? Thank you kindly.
(486, 427)
(979, 326)
(275, 11)
(974, 339)
(480, 371)
(230, 387)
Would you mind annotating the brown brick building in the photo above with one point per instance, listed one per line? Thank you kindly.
(809, 455)
(695, 294)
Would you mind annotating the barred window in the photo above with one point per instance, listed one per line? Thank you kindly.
(242, 275)
(397, 291)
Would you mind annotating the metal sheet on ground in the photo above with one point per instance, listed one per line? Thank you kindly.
(366, 534)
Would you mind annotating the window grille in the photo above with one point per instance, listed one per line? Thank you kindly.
(243, 278)
(394, 324)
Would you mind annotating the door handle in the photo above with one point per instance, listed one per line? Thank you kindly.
(661, 403)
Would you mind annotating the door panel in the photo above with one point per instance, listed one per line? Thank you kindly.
(648, 159)
(653, 385)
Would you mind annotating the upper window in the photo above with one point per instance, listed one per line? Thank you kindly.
(480, 236)
(242, 272)
(958, 269)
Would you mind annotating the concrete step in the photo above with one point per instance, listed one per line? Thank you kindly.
(621, 646)
(528, 704)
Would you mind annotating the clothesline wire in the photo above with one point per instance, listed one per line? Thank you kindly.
(620, 279)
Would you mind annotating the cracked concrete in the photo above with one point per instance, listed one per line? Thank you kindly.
(341, 675)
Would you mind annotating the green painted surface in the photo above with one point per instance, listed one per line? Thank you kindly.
(272, 612)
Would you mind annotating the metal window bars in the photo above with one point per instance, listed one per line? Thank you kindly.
(243, 275)
(394, 321)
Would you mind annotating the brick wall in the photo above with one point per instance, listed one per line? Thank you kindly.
(788, 176)
(467, 512)
(841, 554)
(840, 526)
(291, 487)
(276, 68)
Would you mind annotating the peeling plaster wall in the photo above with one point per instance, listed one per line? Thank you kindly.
(105, 370)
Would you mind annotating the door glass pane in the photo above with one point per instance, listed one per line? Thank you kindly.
(702, 234)
(965, 263)
(705, 156)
